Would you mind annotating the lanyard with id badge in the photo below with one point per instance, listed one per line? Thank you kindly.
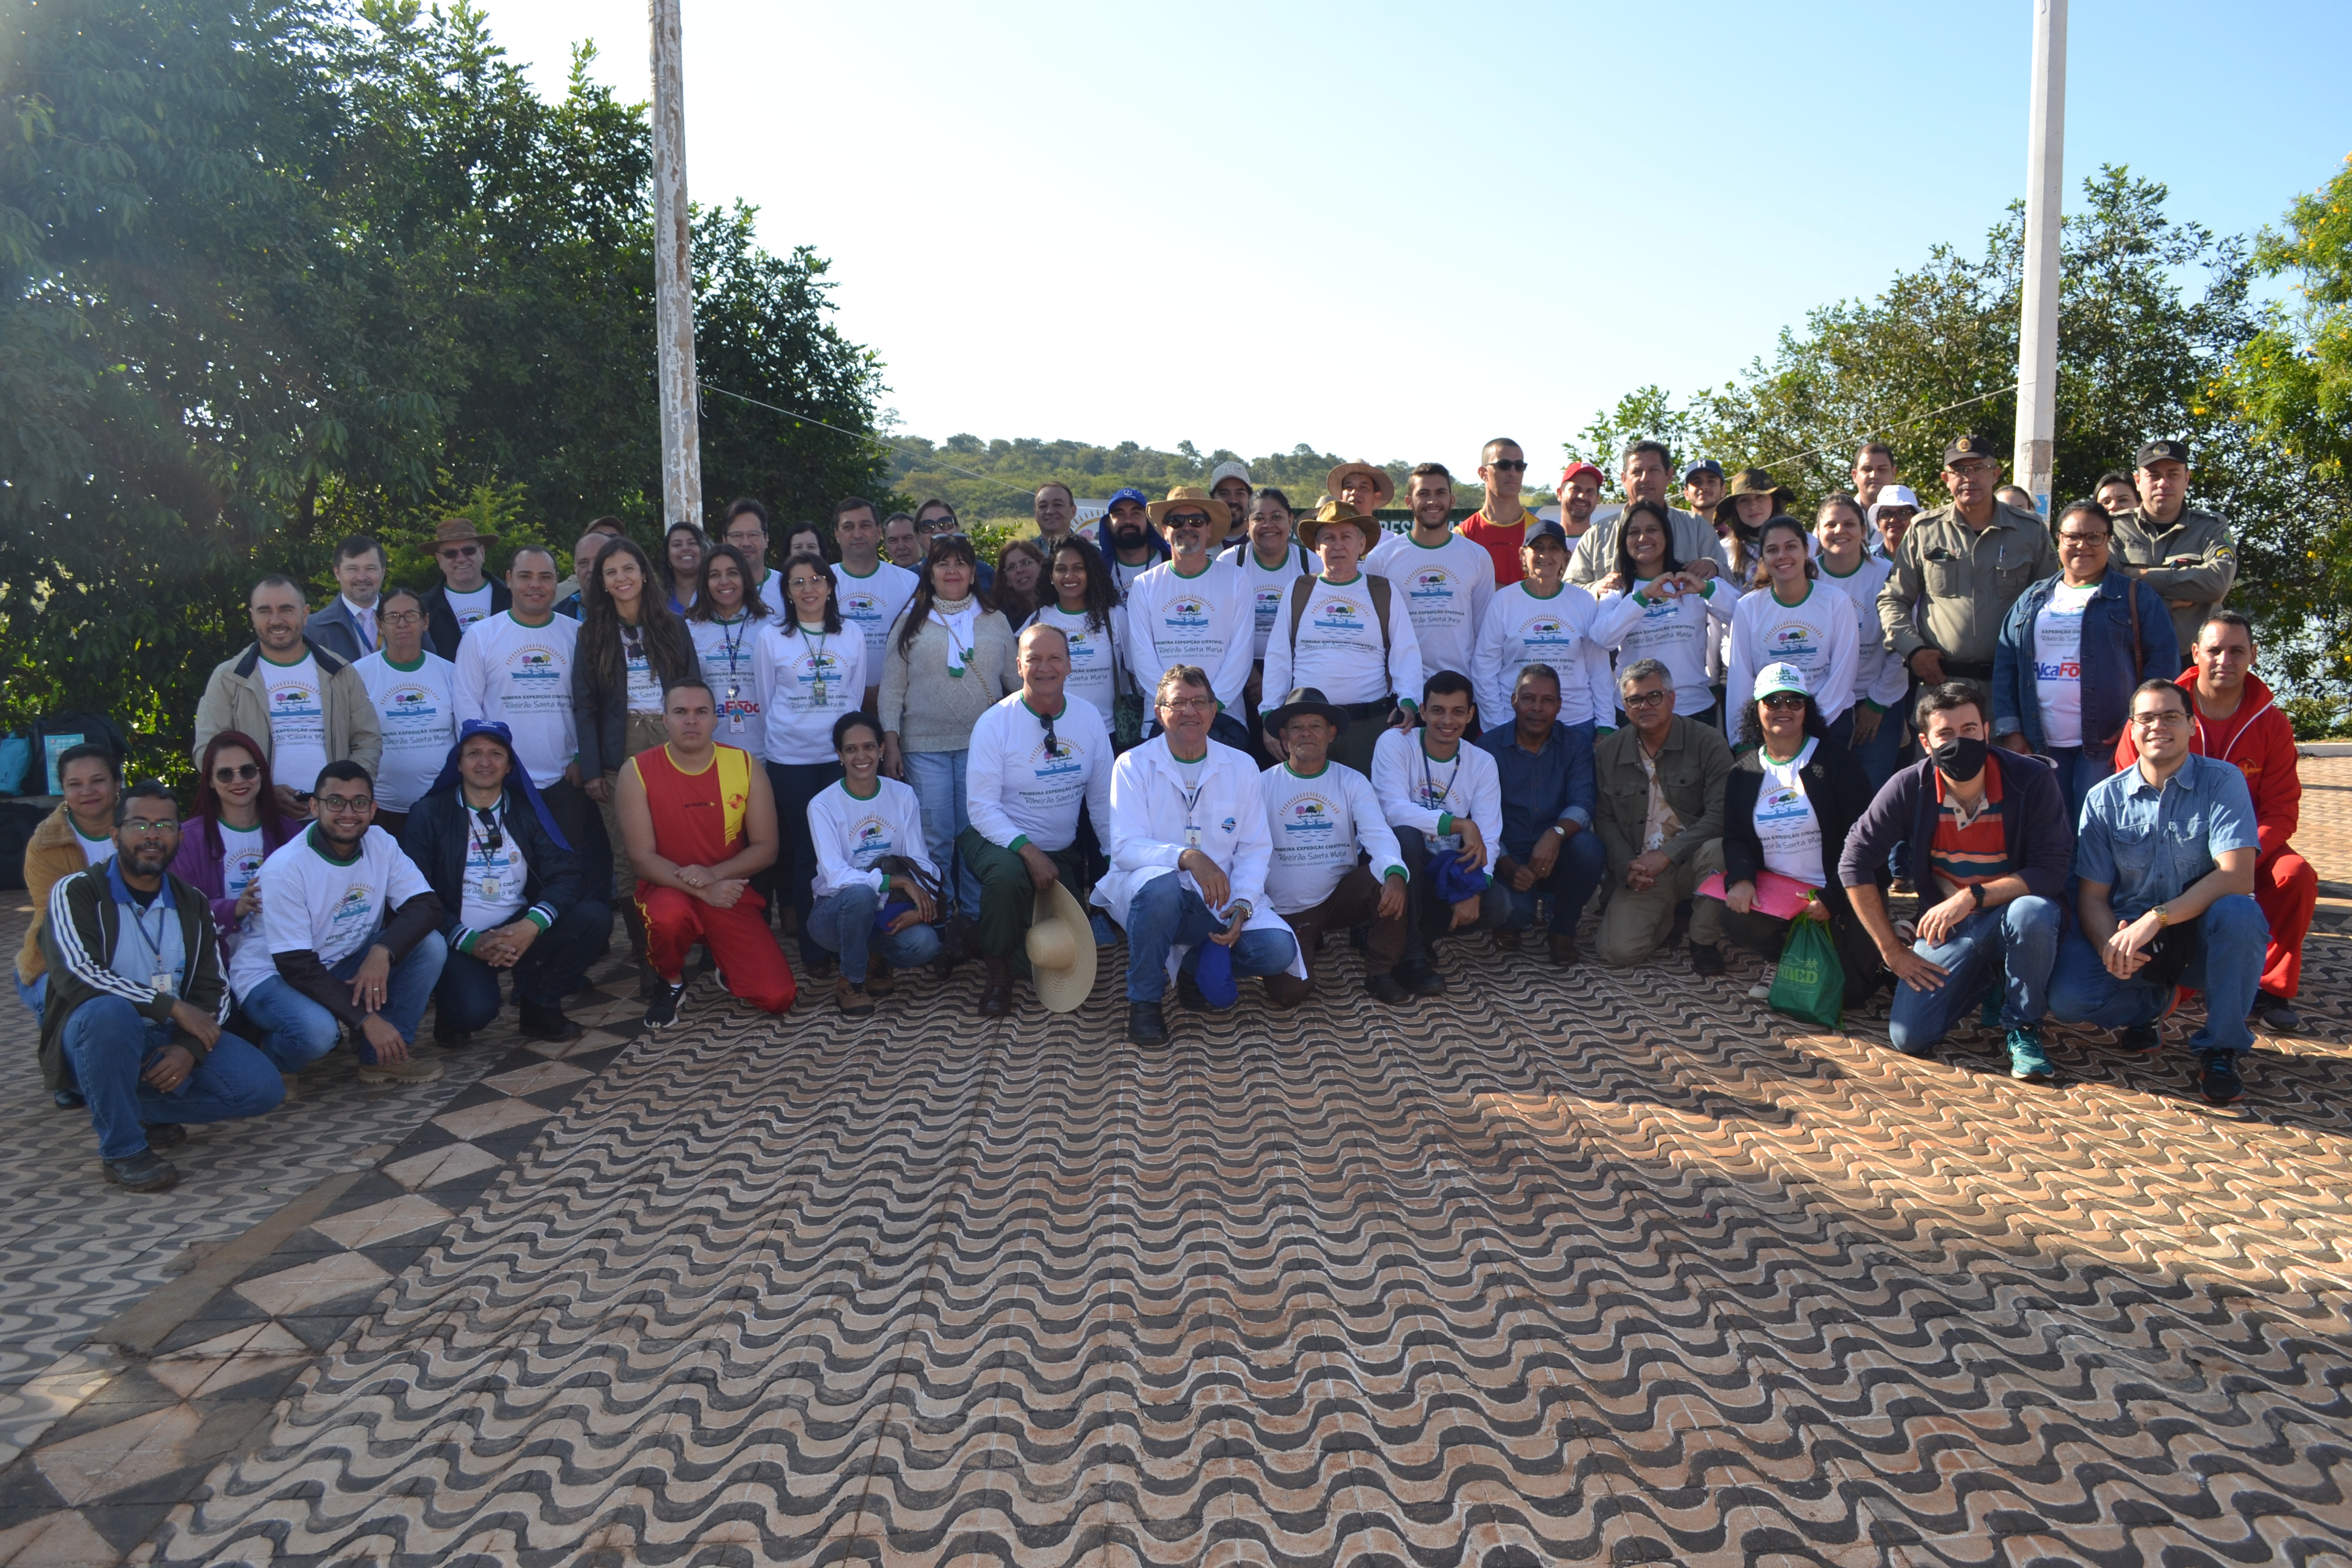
(1432, 794)
(161, 980)
(732, 646)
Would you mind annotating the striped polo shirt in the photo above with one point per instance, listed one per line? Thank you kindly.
(1970, 849)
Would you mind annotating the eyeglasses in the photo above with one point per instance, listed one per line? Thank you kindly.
(145, 827)
(459, 552)
(2162, 716)
(1977, 469)
(1783, 700)
(1188, 705)
(1513, 464)
(345, 805)
(1646, 699)
(2071, 538)
(401, 619)
(226, 774)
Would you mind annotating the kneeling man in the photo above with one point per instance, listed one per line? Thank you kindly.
(1188, 858)
(2166, 859)
(1335, 861)
(136, 1000)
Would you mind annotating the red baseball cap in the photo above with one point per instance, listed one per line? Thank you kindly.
(1568, 475)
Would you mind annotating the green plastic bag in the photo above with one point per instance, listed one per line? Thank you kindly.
(1810, 982)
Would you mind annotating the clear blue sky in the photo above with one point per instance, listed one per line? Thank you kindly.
(1156, 222)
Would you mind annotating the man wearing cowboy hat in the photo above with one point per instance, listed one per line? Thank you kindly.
(510, 891)
(1959, 569)
(1230, 483)
(1036, 757)
(1364, 486)
(466, 592)
(1336, 860)
(1194, 609)
(1346, 632)
(1643, 475)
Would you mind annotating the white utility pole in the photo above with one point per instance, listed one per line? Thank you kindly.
(681, 447)
(2037, 338)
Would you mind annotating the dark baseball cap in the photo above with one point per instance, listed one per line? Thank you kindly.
(1545, 528)
(2157, 451)
(1703, 466)
(1969, 447)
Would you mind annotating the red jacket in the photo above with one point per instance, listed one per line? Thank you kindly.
(2259, 738)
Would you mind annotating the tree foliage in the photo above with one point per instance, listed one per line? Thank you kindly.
(2151, 309)
(284, 270)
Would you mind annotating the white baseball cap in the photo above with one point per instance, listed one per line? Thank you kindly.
(1780, 677)
(1229, 472)
(1893, 495)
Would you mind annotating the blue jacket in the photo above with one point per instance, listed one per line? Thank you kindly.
(2113, 662)
(333, 630)
(435, 839)
(1539, 790)
(2039, 834)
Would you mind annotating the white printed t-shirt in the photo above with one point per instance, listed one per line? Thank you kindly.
(1266, 588)
(873, 604)
(1319, 822)
(330, 907)
(418, 711)
(1339, 647)
(2058, 663)
(851, 834)
(1016, 794)
(724, 649)
(1446, 588)
(1786, 823)
(468, 607)
(298, 721)
(806, 681)
(1201, 620)
(1095, 657)
(522, 676)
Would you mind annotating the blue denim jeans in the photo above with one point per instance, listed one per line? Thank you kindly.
(297, 1031)
(2020, 939)
(794, 784)
(1166, 915)
(2228, 970)
(1427, 914)
(37, 994)
(2079, 768)
(1576, 872)
(842, 922)
(937, 780)
(470, 995)
(109, 1043)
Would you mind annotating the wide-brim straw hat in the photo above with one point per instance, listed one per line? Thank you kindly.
(1311, 529)
(457, 531)
(1382, 484)
(1752, 482)
(1189, 496)
(1061, 948)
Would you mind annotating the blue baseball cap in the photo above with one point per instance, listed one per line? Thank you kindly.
(1129, 493)
(1704, 466)
(1545, 528)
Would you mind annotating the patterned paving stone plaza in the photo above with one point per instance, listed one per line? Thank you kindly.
(1584, 1265)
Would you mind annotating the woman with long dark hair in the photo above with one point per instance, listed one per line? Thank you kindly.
(950, 660)
(1792, 798)
(632, 649)
(809, 669)
(236, 825)
(683, 548)
(1083, 601)
(725, 624)
(1791, 618)
(1020, 581)
(1652, 608)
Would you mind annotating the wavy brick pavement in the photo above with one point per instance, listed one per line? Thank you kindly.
(1597, 1267)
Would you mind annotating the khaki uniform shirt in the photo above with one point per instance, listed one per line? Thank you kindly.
(2196, 558)
(1961, 581)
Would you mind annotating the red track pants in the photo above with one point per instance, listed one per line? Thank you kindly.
(2287, 889)
(739, 938)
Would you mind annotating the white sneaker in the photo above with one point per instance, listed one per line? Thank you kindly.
(1762, 990)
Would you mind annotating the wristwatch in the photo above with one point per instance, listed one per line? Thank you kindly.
(1556, 827)
(1975, 891)
(2163, 916)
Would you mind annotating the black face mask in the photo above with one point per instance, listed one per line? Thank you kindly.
(1961, 758)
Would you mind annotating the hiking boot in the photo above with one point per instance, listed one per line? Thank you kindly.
(165, 1135)
(854, 1000)
(145, 1172)
(2027, 1062)
(1146, 1023)
(1384, 988)
(2219, 1081)
(1707, 958)
(551, 1024)
(878, 982)
(661, 1011)
(410, 1071)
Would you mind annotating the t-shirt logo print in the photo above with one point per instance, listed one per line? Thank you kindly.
(293, 699)
(1792, 641)
(1339, 615)
(1190, 613)
(1429, 582)
(357, 905)
(408, 702)
(1311, 815)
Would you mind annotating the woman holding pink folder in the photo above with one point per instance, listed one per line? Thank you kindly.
(1787, 807)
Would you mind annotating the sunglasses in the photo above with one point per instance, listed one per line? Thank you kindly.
(457, 551)
(1784, 699)
(232, 775)
(1053, 741)
(1512, 465)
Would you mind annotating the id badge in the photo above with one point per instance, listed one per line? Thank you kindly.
(489, 887)
(161, 982)
(735, 721)
(1191, 836)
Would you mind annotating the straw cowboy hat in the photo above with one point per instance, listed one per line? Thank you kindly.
(1752, 482)
(1190, 497)
(457, 531)
(1384, 487)
(1311, 529)
(1061, 948)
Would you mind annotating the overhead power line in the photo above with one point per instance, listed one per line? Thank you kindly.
(917, 453)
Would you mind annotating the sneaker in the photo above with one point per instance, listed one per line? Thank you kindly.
(661, 1011)
(2027, 1062)
(1707, 958)
(67, 1098)
(145, 1172)
(550, 1024)
(1762, 990)
(165, 1135)
(851, 999)
(410, 1071)
(2142, 1039)
(2276, 1014)
(1384, 988)
(2219, 1081)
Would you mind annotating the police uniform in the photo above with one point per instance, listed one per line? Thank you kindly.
(1963, 580)
(2193, 557)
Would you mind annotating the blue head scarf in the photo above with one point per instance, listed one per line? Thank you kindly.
(517, 777)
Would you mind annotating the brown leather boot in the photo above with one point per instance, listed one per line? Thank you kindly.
(877, 978)
(852, 1000)
(996, 991)
(1564, 952)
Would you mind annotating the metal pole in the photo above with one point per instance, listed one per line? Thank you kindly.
(2037, 338)
(681, 449)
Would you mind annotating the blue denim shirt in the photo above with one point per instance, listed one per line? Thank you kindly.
(1552, 786)
(2148, 846)
(2112, 664)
